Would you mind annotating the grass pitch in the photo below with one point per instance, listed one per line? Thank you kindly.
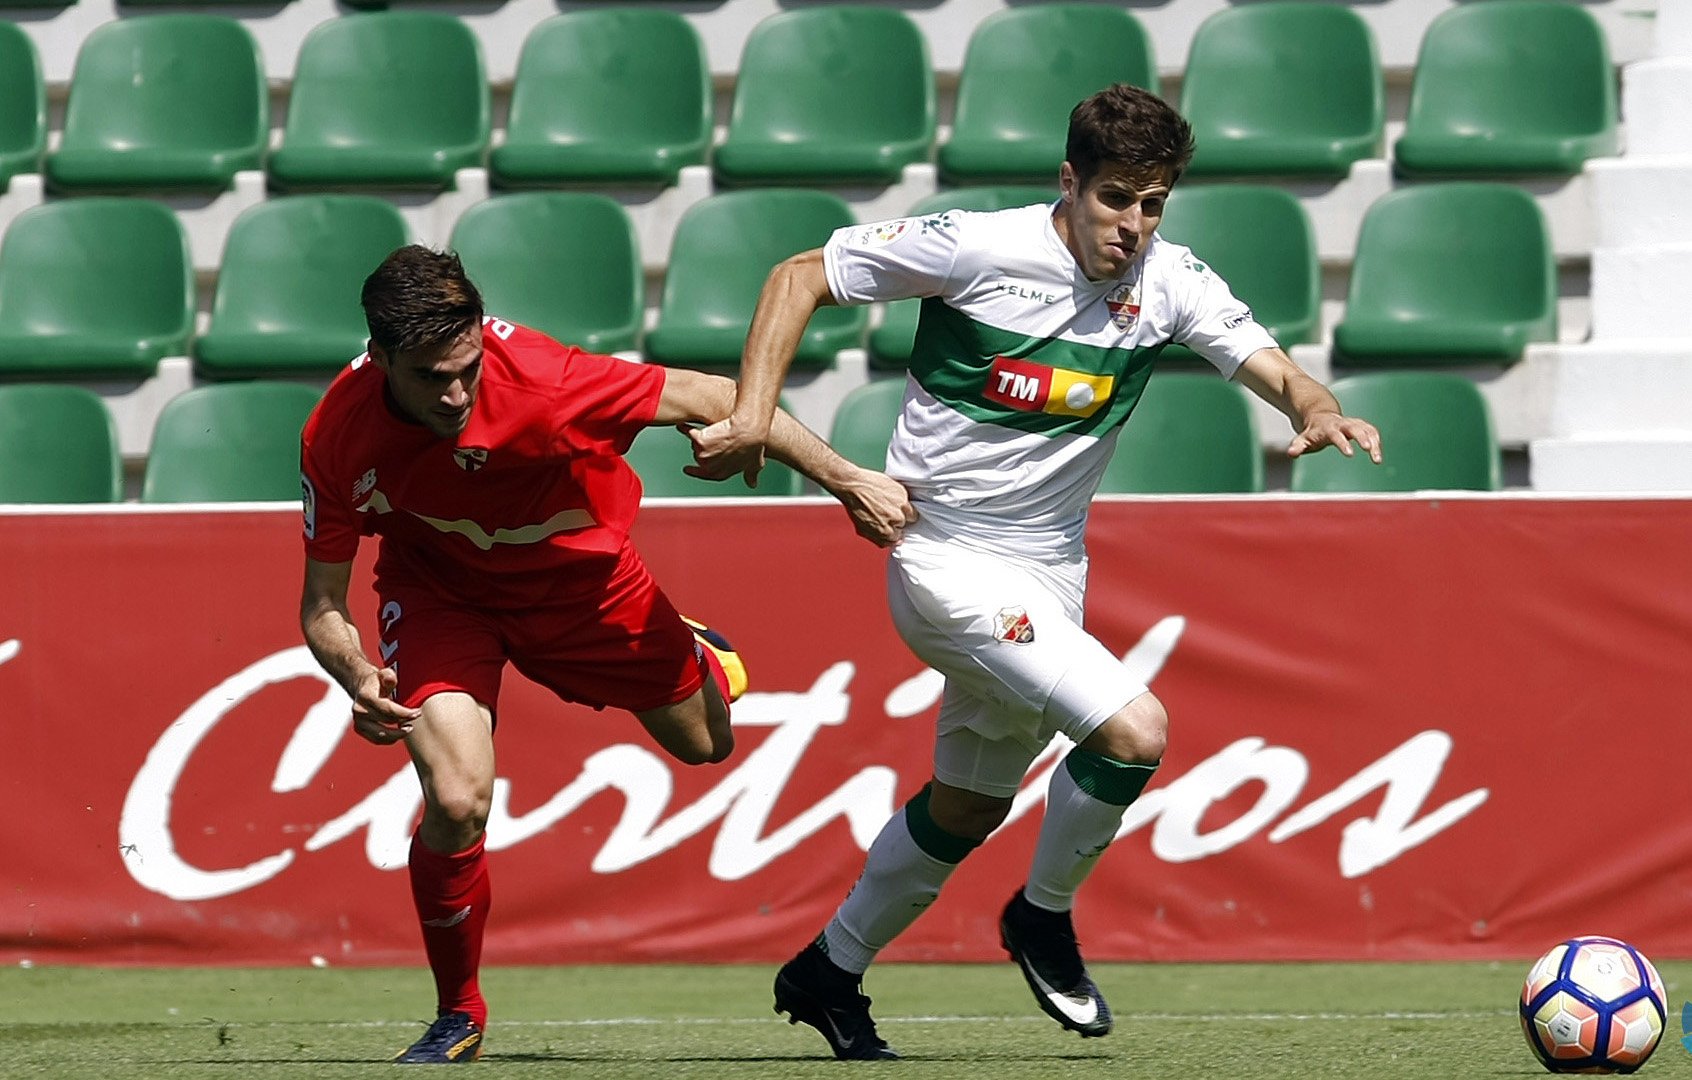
(971, 1022)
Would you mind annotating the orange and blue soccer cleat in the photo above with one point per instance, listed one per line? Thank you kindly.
(453, 1039)
(719, 655)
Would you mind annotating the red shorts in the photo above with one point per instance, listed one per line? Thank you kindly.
(625, 646)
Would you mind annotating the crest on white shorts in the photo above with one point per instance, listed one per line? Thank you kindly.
(1014, 626)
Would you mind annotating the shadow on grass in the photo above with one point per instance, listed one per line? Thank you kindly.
(563, 1056)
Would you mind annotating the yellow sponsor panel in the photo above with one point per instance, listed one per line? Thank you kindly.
(1075, 393)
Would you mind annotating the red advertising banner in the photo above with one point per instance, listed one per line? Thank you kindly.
(1400, 728)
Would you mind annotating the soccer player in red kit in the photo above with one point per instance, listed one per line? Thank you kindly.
(488, 458)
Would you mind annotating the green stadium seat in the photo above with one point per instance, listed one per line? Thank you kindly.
(985, 197)
(163, 101)
(830, 94)
(95, 286)
(23, 105)
(288, 291)
(619, 94)
(1286, 88)
(233, 442)
(564, 263)
(1453, 273)
(60, 446)
(724, 248)
(659, 453)
(1023, 73)
(121, 4)
(1509, 86)
(1260, 241)
(1190, 433)
(384, 98)
(863, 422)
(890, 342)
(1436, 434)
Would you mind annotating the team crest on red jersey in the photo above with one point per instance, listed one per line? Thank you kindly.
(1014, 626)
(470, 458)
(1124, 305)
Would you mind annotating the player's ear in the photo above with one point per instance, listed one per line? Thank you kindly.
(377, 356)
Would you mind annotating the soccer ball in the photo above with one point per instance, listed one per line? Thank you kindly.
(1593, 1005)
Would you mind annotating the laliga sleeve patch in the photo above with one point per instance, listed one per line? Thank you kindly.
(881, 233)
(308, 506)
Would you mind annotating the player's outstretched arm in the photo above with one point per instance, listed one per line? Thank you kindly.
(879, 506)
(1312, 408)
(333, 639)
(734, 444)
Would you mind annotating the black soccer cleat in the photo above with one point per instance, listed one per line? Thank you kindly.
(1043, 945)
(810, 989)
(453, 1039)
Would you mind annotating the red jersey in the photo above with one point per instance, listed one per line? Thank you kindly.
(531, 502)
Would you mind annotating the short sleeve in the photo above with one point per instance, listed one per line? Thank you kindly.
(605, 402)
(331, 527)
(892, 260)
(1211, 321)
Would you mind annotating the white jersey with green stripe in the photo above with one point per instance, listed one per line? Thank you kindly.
(1023, 371)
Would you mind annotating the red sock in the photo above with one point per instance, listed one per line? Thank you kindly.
(452, 896)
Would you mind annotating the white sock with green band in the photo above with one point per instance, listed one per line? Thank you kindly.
(903, 871)
(1084, 807)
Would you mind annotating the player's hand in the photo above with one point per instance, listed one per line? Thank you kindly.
(879, 506)
(1332, 429)
(377, 717)
(725, 449)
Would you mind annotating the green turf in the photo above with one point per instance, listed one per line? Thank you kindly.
(970, 1022)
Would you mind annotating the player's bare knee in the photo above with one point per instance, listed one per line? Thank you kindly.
(461, 806)
(703, 748)
(1137, 734)
(722, 745)
(965, 813)
(694, 732)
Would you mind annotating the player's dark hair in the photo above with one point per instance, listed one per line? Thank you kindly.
(419, 299)
(1127, 126)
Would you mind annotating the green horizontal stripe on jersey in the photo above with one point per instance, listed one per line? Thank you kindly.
(953, 353)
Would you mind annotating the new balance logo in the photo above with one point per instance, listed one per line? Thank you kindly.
(451, 920)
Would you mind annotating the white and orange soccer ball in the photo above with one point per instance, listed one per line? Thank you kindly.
(1593, 1005)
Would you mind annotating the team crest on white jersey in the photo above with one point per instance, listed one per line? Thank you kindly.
(1014, 626)
(1124, 304)
(365, 484)
(470, 458)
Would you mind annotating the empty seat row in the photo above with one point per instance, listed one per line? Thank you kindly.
(1189, 433)
(400, 98)
(234, 442)
(1454, 272)
(103, 287)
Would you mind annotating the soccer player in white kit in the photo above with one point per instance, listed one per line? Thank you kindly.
(1039, 329)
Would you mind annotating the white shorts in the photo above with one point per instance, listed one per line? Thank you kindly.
(1018, 666)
